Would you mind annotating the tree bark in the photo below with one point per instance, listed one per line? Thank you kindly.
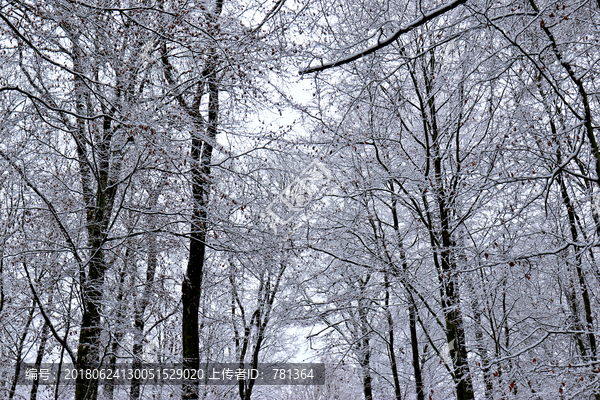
(412, 308)
(390, 341)
(191, 287)
(441, 239)
(98, 205)
(144, 296)
(40, 357)
(120, 314)
(19, 352)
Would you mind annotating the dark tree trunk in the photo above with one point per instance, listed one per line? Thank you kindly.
(259, 322)
(40, 357)
(143, 298)
(412, 308)
(98, 205)
(390, 341)
(88, 351)
(19, 353)
(441, 239)
(192, 282)
(109, 387)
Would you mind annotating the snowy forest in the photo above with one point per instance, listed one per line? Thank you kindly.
(406, 191)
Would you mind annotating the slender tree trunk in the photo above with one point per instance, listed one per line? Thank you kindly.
(88, 351)
(19, 353)
(203, 138)
(109, 388)
(192, 282)
(455, 335)
(259, 321)
(571, 295)
(582, 286)
(62, 349)
(40, 357)
(390, 341)
(412, 309)
(443, 244)
(89, 334)
(143, 298)
(483, 351)
(98, 213)
(2, 276)
(365, 351)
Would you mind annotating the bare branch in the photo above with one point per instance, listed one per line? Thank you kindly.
(60, 340)
(51, 208)
(380, 45)
(33, 97)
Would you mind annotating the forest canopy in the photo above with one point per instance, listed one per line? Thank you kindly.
(405, 192)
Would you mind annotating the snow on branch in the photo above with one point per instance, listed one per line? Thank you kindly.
(381, 44)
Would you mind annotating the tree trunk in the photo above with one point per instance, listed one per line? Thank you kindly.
(481, 347)
(142, 302)
(19, 352)
(440, 238)
(40, 357)
(192, 282)
(390, 341)
(109, 388)
(98, 205)
(412, 308)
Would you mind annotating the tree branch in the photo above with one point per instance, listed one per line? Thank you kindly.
(63, 342)
(51, 208)
(380, 45)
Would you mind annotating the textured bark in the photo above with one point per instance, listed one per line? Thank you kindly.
(98, 204)
(364, 349)
(441, 239)
(390, 339)
(201, 154)
(120, 313)
(19, 352)
(259, 321)
(481, 347)
(412, 307)
(40, 357)
(192, 281)
(144, 297)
